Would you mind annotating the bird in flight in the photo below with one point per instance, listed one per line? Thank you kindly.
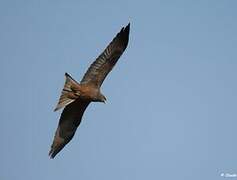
(75, 97)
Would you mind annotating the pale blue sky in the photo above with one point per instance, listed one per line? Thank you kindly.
(172, 97)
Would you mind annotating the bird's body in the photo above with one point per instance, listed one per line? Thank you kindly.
(75, 97)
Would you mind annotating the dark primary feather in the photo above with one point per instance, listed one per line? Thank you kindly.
(68, 123)
(99, 69)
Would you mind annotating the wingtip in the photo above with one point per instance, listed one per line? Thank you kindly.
(128, 25)
(127, 28)
(51, 156)
(55, 149)
(125, 34)
(53, 152)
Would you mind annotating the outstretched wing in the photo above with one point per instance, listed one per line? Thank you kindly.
(68, 123)
(99, 69)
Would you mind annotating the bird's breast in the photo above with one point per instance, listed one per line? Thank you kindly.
(88, 92)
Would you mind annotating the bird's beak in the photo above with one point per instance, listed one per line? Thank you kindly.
(104, 100)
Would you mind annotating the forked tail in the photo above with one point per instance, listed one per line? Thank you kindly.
(69, 92)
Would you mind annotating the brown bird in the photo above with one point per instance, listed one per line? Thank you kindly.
(75, 97)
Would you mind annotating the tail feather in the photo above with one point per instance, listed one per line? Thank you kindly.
(68, 94)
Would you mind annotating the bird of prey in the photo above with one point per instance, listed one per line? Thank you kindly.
(75, 97)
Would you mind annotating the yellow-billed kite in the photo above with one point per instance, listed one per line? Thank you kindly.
(75, 97)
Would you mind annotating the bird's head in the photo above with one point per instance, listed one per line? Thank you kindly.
(102, 98)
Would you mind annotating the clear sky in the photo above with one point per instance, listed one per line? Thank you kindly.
(172, 97)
